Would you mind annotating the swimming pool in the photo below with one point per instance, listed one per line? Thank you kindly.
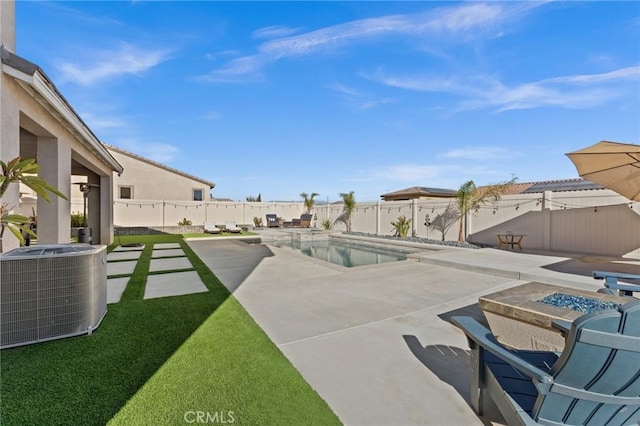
(349, 255)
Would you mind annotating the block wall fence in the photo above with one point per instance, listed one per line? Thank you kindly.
(590, 222)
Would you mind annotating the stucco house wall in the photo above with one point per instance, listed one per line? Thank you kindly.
(150, 180)
(37, 122)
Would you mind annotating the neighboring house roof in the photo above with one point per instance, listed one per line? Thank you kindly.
(160, 165)
(33, 79)
(417, 192)
(577, 184)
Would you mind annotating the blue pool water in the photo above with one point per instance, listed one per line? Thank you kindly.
(345, 254)
(577, 303)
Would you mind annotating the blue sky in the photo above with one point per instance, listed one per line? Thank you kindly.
(277, 98)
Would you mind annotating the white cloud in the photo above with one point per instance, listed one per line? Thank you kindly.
(103, 122)
(104, 65)
(212, 115)
(457, 22)
(480, 153)
(349, 91)
(160, 152)
(223, 54)
(414, 173)
(579, 91)
(361, 100)
(629, 73)
(377, 102)
(274, 32)
(157, 151)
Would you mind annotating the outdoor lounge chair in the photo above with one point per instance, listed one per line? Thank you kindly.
(272, 221)
(595, 380)
(611, 284)
(210, 228)
(230, 226)
(305, 220)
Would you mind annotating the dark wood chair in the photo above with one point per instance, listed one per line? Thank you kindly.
(272, 221)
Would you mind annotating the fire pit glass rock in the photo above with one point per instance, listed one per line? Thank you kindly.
(577, 303)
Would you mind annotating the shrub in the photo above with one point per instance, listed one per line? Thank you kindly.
(77, 220)
(257, 222)
(401, 226)
(326, 224)
(184, 222)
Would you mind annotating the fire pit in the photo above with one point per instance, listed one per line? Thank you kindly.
(521, 317)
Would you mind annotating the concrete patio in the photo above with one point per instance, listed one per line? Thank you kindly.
(375, 341)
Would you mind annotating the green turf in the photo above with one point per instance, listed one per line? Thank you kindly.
(153, 362)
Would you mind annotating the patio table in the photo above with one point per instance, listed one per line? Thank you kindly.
(510, 239)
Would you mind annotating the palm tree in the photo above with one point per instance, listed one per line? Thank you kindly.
(308, 200)
(349, 201)
(469, 197)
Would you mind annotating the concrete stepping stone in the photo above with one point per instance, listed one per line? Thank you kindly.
(124, 248)
(123, 255)
(121, 268)
(173, 284)
(166, 246)
(115, 288)
(167, 253)
(169, 264)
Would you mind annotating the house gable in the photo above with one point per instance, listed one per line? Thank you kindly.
(145, 179)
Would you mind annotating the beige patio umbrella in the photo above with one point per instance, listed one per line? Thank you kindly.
(611, 164)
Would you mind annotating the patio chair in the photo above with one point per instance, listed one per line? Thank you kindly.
(272, 221)
(595, 380)
(210, 228)
(230, 226)
(611, 283)
(305, 220)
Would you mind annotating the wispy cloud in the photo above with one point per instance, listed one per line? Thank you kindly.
(223, 54)
(156, 151)
(460, 20)
(579, 91)
(480, 153)
(160, 152)
(211, 115)
(103, 121)
(361, 100)
(346, 90)
(107, 64)
(274, 32)
(407, 173)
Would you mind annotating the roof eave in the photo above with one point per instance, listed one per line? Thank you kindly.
(160, 165)
(40, 87)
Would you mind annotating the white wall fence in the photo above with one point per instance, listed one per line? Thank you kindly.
(590, 222)
(156, 213)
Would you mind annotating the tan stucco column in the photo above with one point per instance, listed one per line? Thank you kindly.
(9, 149)
(106, 210)
(93, 207)
(54, 221)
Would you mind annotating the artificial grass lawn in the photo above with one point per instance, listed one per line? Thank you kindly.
(152, 362)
